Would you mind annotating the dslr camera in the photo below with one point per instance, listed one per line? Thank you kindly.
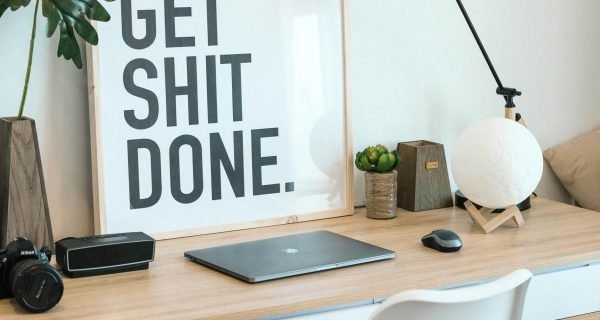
(25, 273)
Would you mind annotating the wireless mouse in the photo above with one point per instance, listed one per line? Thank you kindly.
(442, 240)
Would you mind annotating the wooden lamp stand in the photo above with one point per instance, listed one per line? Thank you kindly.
(478, 216)
(511, 212)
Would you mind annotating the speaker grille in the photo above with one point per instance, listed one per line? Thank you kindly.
(110, 255)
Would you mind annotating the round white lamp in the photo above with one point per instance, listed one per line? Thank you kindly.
(496, 163)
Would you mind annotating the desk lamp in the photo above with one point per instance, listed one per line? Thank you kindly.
(497, 162)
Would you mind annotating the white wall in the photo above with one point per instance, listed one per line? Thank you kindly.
(414, 69)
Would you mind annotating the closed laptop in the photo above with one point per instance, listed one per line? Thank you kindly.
(285, 256)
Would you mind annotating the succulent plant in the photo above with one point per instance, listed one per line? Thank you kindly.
(377, 159)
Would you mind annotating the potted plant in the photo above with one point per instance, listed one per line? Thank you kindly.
(23, 203)
(380, 180)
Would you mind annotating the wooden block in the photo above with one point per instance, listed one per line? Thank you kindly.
(423, 182)
(518, 218)
(500, 219)
(476, 216)
(484, 210)
(23, 202)
(488, 226)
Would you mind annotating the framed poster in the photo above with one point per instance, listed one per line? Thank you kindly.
(209, 116)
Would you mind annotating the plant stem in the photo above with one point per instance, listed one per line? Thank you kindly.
(31, 45)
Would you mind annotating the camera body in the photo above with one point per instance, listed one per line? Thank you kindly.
(25, 273)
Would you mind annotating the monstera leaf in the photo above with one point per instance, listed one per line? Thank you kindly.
(12, 4)
(71, 17)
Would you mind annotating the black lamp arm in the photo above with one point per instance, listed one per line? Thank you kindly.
(508, 93)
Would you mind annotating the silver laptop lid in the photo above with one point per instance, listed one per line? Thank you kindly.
(286, 256)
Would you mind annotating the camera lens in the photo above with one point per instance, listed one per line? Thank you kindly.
(37, 287)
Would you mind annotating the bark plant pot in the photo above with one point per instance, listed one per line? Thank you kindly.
(380, 192)
(23, 202)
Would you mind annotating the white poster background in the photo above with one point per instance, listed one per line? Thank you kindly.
(295, 83)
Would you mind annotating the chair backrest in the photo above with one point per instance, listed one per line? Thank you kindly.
(501, 299)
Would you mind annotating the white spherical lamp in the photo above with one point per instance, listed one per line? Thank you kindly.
(497, 163)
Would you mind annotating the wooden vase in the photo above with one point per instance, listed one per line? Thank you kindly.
(23, 201)
(423, 182)
(380, 192)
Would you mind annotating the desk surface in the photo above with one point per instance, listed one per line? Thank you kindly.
(554, 234)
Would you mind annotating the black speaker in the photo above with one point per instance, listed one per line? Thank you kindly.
(110, 253)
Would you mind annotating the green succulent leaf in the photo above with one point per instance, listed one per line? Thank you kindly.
(362, 162)
(12, 4)
(365, 165)
(381, 149)
(72, 17)
(356, 160)
(385, 163)
(393, 161)
(398, 158)
(373, 155)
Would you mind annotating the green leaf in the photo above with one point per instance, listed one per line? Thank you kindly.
(373, 155)
(72, 17)
(68, 46)
(12, 4)
(393, 161)
(384, 163)
(16, 4)
(3, 8)
(381, 149)
(50, 12)
(356, 160)
(364, 163)
(398, 158)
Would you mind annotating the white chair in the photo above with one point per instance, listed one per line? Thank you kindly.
(501, 299)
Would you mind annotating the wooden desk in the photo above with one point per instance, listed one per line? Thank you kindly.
(174, 288)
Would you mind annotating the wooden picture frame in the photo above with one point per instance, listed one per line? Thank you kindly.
(320, 181)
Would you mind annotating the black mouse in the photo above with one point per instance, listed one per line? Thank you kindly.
(442, 240)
